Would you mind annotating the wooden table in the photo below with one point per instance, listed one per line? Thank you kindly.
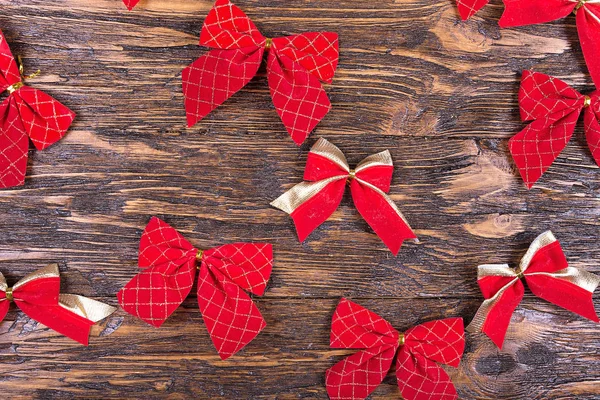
(440, 94)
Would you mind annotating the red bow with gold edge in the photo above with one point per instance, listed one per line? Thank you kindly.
(295, 66)
(170, 264)
(131, 3)
(311, 203)
(25, 112)
(554, 108)
(421, 348)
(546, 271)
(38, 295)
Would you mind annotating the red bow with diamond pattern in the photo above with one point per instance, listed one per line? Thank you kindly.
(420, 349)
(296, 65)
(548, 275)
(554, 108)
(310, 203)
(26, 112)
(131, 3)
(226, 272)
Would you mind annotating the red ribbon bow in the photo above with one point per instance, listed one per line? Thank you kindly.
(327, 171)
(421, 348)
(295, 66)
(554, 108)
(131, 3)
(546, 271)
(25, 112)
(169, 263)
(529, 12)
(38, 295)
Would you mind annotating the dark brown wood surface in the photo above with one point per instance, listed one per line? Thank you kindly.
(440, 94)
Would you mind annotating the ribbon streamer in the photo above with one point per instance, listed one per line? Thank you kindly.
(26, 112)
(38, 296)
(310, 203)
(417, 351)
(554, 108)
(546, 271)
(225, 273)
(130, 4)
(296, 66)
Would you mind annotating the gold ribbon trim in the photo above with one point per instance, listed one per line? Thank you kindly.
(199, 255)
(587, 102)
(13, 88)
(16, 86)
(401, 339)
(268, 44)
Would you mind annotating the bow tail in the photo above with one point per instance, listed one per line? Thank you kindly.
(588, 28)
(535, 148)
(519, 12)
(130, 3)
(230, 315)
(570, 288)
(298, 96)
(468, 8)
(311, 203)
(216, 76)
(420, 378)
(14, 145)
(357, 376)
(592, 133)
(382, 214)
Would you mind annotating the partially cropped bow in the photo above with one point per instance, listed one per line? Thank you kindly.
(26, 112)
(417, 352)
(310, 203)
(38, 295)
(130, 3)
(296, 66)
(554, 108)
(170, 264)
(546, 271)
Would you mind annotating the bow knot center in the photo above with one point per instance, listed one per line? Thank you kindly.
(401, 339)
(579, 5)
(13, 88)
(9, 294)
(519, 273)
(587, 102)
(199, 255)
(351, 176)
(268, 44)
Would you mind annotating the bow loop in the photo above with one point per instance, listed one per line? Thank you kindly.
(519, 13)
(377, 170)
(227, 27)
(325, 160)
(9, 70)
(442, 341)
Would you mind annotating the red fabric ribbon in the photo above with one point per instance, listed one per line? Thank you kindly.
(546, 271)
(170, 263)
(25, 112)
(417, 353)
(554, 108)
(295, 66)
(310, 203)
(467, 8)
(38, 295)
(131, 3)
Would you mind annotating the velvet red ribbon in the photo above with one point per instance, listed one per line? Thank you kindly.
(296, 65)
(546, 271)
(130, 3)
(554, 108)
(225, 274)
(26, 112)
(417, 351)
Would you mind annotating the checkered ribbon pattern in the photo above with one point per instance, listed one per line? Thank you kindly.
(554, 108)
(38, 296)
(130, 3)
(545, 269)
(26, 112)
(467, 8)
(312, 202)
(418, 352)
(226, 273)
(296, 66)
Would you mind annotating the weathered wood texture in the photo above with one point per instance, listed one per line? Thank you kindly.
(440, 94)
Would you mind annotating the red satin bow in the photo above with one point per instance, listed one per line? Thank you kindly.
(170, 263)
(295, 66)
(554, 108)
(131, 3)
(327, 171)
(38, 295)
(421, 348)
(25, 112)
(546, 271)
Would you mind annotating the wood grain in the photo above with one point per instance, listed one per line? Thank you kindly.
(440, 94)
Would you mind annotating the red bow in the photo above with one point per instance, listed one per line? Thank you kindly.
(327, 171)
(131, 3)
(546, 271)
(38, 295)
(25, 112)
(554, 108)
(295, 66)
(421, 347)
(169, 263)
(467, 8)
